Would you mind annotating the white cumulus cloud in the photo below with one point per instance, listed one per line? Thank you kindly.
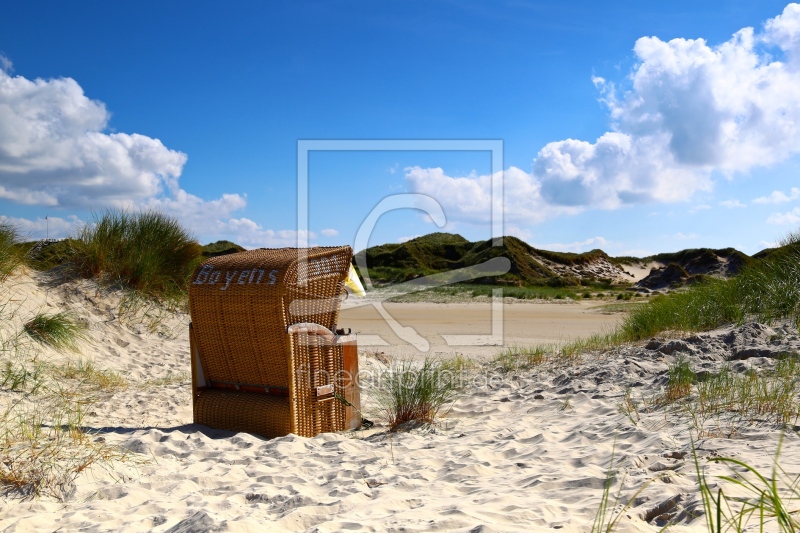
(691, 109)
(54, 151)
(580, 246)
(329, 232)
(789, 218)
(469, 198)
(688, 110)
(779, 197)
(732, 204)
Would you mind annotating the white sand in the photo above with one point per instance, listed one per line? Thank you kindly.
(639, 271)
(521, 453)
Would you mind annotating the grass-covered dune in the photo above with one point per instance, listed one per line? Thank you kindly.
(765, 290)
(147, 251)
(441, 252)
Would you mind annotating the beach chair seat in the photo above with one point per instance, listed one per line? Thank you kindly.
(266, 358)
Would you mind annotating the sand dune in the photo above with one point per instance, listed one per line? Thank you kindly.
(518, 452)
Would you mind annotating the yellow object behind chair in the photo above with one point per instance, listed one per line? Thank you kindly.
(353, 283)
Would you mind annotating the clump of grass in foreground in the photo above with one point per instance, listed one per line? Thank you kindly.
(61, 330)
(44, 447)
(759, 500)
(751, 397)
(770, 501)
(11, 256)
(679, 380)
(86, 373)
(146, 251)
(411, 390)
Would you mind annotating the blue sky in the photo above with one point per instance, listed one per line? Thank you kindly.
(630, 126)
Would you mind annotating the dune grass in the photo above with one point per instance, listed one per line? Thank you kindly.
(679, 380)
(766, 290)
(146, 251)
(517, 358)
(44, 445)
(753, 501)
(471, 290)
(772, 501)
(89, 376)
(609, 514)
(728, 399)
(61, 330)
(11, 257)
(415, 391)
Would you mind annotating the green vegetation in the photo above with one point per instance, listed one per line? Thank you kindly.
(11, 257)
(61, 330)
(516, 358)
(221, 248)
(728, 398)
(57, 253)
(607, 517)
(443, 252)
(766, 291)
(89, 376)
(762, 503)
(523, 357)
(146, 251)
(679, 380)
(44, 256)
(570, 258)
(769, 500)
(415, 391)
(460, 290)
(700, 256)
(44, 445)
(718, 404)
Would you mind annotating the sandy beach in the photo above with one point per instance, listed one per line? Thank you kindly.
(520, 451)
(524, 323)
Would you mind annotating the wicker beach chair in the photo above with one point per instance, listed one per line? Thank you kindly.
(265, 355)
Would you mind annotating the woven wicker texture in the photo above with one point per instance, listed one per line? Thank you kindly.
(241, 305)
(318, 361)
(261, 414)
